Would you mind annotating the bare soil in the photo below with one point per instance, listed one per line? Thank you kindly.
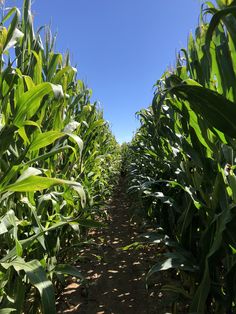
(116, 281)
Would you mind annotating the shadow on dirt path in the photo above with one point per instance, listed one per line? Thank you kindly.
(116, 277)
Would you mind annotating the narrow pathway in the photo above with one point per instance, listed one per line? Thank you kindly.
(116, 277)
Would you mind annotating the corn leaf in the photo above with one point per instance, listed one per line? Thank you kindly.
(37, 278)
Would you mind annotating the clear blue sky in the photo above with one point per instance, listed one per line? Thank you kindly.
(120, 47)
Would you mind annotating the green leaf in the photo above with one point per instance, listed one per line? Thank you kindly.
(79, 189)
(37, 183)
(13, 33)
(45, 139)
(77, 140)
(31, 171)
(7, 310)
(216, 109)
(37, 277)
(173, 260)
(216, 19)
(54, 62)
(17, 34)
(66, 269)
(32, 183)
(232, 184)
(68, 70)
(27, 242)
(29, 102)
(219, 224)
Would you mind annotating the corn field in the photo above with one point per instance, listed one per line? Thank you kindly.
(59, 163)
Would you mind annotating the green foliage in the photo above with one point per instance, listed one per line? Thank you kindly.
(58, 163)
(182, 164)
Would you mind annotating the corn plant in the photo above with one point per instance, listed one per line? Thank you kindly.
(183, 160)
(54, 145)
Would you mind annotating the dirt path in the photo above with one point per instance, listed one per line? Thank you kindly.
(116, 277)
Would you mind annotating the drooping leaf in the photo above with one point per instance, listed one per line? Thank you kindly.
(37, 278)
(216, 109)
(66, 269)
